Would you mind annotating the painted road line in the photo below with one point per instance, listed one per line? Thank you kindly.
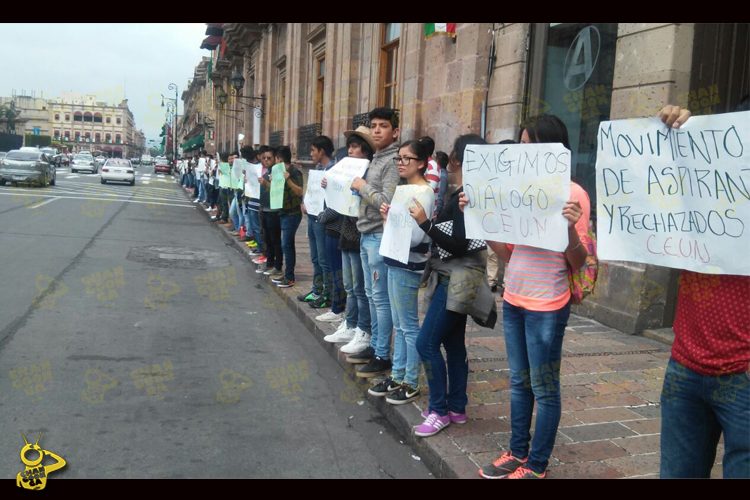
(32, 207)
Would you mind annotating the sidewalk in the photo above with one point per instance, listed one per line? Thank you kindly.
(611, 384)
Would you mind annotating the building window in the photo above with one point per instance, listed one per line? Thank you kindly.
(67, 117)
(389, 65)
(108, 138)
(78, 136)
(77, 116)
(57, 117)
(572, 69)
(109, 119)
(57, 134)
(320, 70)
(97, 137)
(88, 117)
(67, 135)
(280, 104)
(118, 138)
(119, 120)
(87, 136)
(97, 117)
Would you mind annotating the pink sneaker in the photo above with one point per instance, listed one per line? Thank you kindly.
(456, 418)
(433, 424)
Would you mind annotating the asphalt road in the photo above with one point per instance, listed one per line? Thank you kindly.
(142, 346)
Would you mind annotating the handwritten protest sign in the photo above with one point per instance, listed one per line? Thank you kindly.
(314, 195)
(676, 197)
(339, 179)
(235, 174)
(252, 186)
(516, 193)
(277, 185)
(224, 172)
(398, 227)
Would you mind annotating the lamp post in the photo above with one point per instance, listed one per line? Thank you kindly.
(173, 86)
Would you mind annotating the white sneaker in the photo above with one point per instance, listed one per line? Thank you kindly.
(360, 341)
(330, 317)
(345, 335)
(195, 200)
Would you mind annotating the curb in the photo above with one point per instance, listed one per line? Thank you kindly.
(439, 453)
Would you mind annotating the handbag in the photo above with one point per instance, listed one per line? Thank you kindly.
(447, 228)
(583, 281)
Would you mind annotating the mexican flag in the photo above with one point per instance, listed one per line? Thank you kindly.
(443, 28)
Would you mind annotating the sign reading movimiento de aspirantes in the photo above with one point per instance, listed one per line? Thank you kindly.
(676, 197)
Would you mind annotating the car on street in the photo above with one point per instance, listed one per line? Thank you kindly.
(83, 162)
(118, 169)
(100, 160)
(162, 165)
(27, 166)
(2, 155)
(147, 160)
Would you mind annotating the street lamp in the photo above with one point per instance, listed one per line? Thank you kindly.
(238, 83)
(173, 86)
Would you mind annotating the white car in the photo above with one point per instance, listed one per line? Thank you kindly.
(83, 162)
(118, 169)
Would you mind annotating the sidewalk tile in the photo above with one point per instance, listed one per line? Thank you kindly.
(638, 445)
(595, 432)
(587, 452)
(635, 465)
(606, 400)
(583, 470)
(600, 415)
(650, 426)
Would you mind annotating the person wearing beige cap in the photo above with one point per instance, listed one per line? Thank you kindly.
(382, 179)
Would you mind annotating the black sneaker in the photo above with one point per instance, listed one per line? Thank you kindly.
(308, 297)
(320, 303)
(403, 395)
(376, 366)
(363, 356)
(383, 388)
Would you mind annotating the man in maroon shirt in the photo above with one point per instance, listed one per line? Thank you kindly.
(706, 389)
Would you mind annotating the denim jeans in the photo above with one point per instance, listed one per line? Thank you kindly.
(289, 225)
(357, 306)
(376, 289)
(533, 341)
(316, 234)
(272, 227)
(403, 289)
(234, 213)
(695, 410)
(336, 282)
(441, 326)
(202, 189)
(253, 218)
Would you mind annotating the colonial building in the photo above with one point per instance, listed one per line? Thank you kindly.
(285, 83)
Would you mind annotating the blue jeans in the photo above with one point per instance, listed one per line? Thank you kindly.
(289, 225)
(533, 341)
(202, 189)
(253, 218)
(357, 306)
(234, 213)
(316, 234)
(376, 289)
(441, 326)
(695, 410)
(403, 289)
(336, 283)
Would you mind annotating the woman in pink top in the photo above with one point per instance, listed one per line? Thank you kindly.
(536, 306)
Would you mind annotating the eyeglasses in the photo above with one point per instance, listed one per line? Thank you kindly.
(403, 160)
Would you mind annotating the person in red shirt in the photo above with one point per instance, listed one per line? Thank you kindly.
(706, 390)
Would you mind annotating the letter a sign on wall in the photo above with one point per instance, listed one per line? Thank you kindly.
(581, 58)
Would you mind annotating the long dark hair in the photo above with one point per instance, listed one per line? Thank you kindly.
(422, 148)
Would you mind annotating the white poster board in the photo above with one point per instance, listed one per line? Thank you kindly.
(314, 194)
(676, 197)
(398, 227)
(516, 193)
(252, 186)
(338, 193)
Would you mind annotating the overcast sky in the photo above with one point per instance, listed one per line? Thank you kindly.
(137, 61)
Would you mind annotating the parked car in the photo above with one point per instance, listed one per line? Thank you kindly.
(2, 155)
(118, 169)
(84, 162)
(135, 161)
(161, 164)
(100, 160)
(27, 166)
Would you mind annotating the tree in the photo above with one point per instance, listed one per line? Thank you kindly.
(9, 113)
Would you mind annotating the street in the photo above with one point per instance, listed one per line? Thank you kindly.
(143, 346)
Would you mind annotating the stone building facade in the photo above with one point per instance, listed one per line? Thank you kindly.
(302, 79)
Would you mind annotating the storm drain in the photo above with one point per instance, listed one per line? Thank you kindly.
(177, 257)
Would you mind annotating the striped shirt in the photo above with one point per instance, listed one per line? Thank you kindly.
(537, 279)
